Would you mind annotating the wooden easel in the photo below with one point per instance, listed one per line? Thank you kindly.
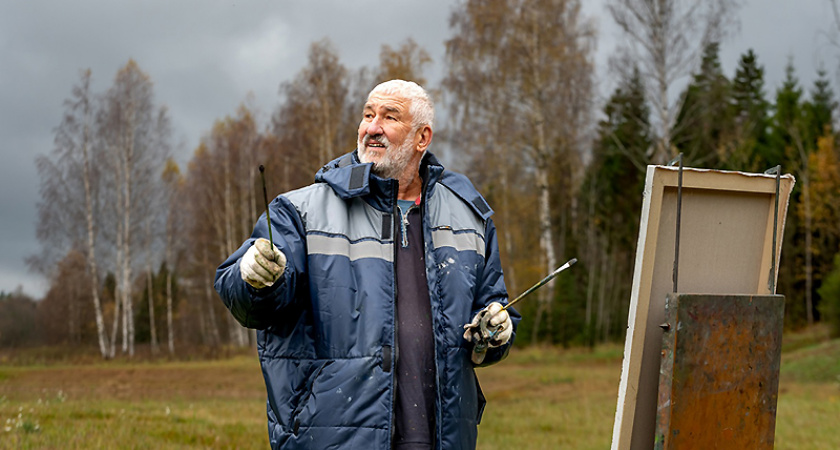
(727, 246)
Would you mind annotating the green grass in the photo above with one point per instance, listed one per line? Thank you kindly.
(543, 398)
(817, 363)
(539, 398)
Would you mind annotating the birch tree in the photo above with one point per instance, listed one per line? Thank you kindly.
(405, 62)
(222, 205)
(71, 190)
(313, 117)
(152, 212)
(173, 244)
(130, 127)
(520, 77)
(204, 236)
(666, 38)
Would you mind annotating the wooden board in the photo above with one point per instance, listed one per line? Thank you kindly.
(719, 381)
(725, 248)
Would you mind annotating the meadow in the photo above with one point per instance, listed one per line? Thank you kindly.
(539, 398)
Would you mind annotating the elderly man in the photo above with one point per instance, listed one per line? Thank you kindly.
(362, 298)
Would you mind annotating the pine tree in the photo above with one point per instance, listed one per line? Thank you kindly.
(830, 293)
(819, 111)
(610, 194)
(705, 119)
(823, 187)
(749, 148)
(786, 118)
(788, 138)
(788, 113)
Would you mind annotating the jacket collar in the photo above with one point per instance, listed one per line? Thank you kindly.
(351, 178)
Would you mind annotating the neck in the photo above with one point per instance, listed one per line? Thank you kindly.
(411, 185)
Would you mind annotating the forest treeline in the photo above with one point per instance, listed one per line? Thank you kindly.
(131, 240)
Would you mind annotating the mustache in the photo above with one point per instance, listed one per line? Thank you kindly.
(379, 138)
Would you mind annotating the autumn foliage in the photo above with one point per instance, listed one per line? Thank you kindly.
(134, 239)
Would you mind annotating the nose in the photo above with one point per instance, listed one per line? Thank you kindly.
(374, 128)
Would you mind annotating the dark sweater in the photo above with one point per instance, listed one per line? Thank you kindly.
(415, 366)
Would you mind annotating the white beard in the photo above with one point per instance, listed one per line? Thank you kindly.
(394, 159)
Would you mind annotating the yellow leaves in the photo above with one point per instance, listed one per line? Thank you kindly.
(131, 74)
(822, 190)
(825, 177)
(404, 63)
(171, 172)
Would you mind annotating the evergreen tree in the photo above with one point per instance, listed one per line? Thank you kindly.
(788, 113)
(748, 145)
(610, 194)
(830, 293)
(748, 87)
(819, 206)
(799, 130)
(819, 111)
(705, 116)
(786, 119)
(623, 137)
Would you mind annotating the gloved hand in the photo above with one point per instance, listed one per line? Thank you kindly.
(262, 264)
(491, 327)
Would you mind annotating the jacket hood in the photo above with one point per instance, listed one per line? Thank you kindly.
(349, 178)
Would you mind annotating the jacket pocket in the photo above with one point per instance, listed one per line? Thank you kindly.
(294, 419)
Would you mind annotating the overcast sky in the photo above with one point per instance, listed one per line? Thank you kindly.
(206, 56)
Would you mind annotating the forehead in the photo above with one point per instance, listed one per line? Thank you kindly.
(390, 102)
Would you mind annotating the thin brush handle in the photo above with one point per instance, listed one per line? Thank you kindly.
(267, 213)
(542, 282)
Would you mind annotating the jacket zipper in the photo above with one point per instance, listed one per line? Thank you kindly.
(404, 223)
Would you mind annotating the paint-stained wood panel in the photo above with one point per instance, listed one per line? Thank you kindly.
(719, 377)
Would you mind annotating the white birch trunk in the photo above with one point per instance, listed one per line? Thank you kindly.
(128, 309)
(547, 245)
(541, 160)
(119, 306)
(102, 338)
(116, 324)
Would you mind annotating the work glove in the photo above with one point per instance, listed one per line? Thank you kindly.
(490, 328)
(262, 264)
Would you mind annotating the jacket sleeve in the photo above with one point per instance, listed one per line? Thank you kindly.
(492, 289)
(259, 308)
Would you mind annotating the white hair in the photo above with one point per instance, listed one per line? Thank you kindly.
(421, 108)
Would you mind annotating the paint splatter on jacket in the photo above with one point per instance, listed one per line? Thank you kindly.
(327, 334)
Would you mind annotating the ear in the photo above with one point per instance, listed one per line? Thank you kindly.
(424, 136)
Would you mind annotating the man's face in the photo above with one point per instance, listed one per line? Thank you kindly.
(385, 135)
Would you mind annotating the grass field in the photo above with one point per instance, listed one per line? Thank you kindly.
(540, 398)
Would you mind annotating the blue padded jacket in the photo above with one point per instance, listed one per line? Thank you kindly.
(327, 336)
